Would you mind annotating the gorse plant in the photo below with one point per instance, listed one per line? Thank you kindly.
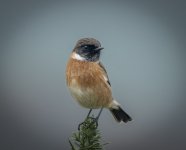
(87, 137)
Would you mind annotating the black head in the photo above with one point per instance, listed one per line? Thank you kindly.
(88, 48)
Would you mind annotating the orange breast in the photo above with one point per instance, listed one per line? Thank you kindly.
(87, 84)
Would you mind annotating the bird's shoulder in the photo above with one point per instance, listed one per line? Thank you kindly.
(104, 72)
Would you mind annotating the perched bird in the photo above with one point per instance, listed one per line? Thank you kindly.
(88, 81)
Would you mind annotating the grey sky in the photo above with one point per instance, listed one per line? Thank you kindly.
(144, 56)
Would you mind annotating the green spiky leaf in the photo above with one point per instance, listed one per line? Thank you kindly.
(88, 137)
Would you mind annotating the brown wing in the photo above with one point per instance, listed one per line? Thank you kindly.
(105, 72)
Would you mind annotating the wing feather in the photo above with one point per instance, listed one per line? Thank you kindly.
(104, 73)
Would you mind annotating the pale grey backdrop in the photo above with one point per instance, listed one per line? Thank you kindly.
(144, 56)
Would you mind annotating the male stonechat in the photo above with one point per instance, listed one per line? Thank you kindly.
(88, 81)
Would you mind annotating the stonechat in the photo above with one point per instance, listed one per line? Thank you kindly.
(88, 81)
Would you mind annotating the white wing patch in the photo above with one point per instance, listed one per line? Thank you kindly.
(105, 78)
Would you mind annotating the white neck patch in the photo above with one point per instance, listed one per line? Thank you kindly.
(78, 57)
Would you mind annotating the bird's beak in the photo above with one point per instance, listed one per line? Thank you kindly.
(99, 48)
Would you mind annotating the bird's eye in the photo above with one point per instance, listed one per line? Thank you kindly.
(85, 46)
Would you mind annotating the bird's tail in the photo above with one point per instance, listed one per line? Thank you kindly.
(119, 114)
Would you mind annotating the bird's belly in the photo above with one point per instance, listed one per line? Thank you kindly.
(86, 96)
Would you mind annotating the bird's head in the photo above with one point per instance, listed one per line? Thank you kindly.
(88, 49)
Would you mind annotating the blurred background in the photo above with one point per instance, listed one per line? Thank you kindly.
(144, 56)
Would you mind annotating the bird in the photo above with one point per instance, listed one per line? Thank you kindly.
(88, 82)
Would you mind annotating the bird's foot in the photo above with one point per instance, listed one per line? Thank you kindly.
(79, 126)
(94, 121)
(90, 122)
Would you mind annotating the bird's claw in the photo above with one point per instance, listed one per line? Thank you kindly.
(93, 121)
